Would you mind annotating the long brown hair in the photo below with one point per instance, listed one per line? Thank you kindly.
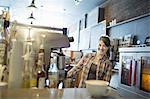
(106, 40)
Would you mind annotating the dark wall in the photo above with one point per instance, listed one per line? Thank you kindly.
(125, 9)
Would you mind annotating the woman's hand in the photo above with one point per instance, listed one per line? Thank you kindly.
(69, 74)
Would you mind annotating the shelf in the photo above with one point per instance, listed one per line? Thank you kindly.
(115, 70)
(126, 21)
(134, 49)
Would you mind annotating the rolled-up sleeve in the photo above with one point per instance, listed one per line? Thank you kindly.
(78, 67)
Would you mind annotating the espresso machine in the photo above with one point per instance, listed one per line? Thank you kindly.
(56, 72)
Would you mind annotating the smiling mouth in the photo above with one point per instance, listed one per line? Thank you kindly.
(101, 52)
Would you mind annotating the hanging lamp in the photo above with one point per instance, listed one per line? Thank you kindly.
(31, 18)
(32, 6)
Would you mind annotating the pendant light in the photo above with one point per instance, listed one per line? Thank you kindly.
(32, 6)
(31, 18)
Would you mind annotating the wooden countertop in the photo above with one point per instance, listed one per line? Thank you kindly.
(66, 93)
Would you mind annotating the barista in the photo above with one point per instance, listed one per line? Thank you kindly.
(95, 66)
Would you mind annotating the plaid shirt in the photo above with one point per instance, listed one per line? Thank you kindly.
(103, 71)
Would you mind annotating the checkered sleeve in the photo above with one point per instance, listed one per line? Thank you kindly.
(78, 67)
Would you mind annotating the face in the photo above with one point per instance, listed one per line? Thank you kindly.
(102, 48)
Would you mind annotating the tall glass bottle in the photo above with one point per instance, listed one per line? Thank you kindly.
(33, 80)
(26, 75)
(41, 73)
(53, 72)
(41, 76)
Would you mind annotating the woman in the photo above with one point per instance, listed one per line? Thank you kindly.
(94, 66)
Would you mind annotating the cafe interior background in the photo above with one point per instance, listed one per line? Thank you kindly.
(55, 34)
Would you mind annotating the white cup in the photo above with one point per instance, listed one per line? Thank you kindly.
(97, 88)
(3, 85)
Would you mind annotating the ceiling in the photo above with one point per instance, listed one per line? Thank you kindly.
(53, 13)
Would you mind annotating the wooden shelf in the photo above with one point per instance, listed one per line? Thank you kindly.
(115, 70)
(126, 21)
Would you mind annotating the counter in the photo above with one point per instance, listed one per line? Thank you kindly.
(134, 70)
(66, 93)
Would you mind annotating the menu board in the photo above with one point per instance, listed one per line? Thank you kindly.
(145, 73)
(126, 70)
(96, 32)
(84, 39)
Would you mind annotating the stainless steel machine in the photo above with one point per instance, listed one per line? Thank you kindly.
(56, 70)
